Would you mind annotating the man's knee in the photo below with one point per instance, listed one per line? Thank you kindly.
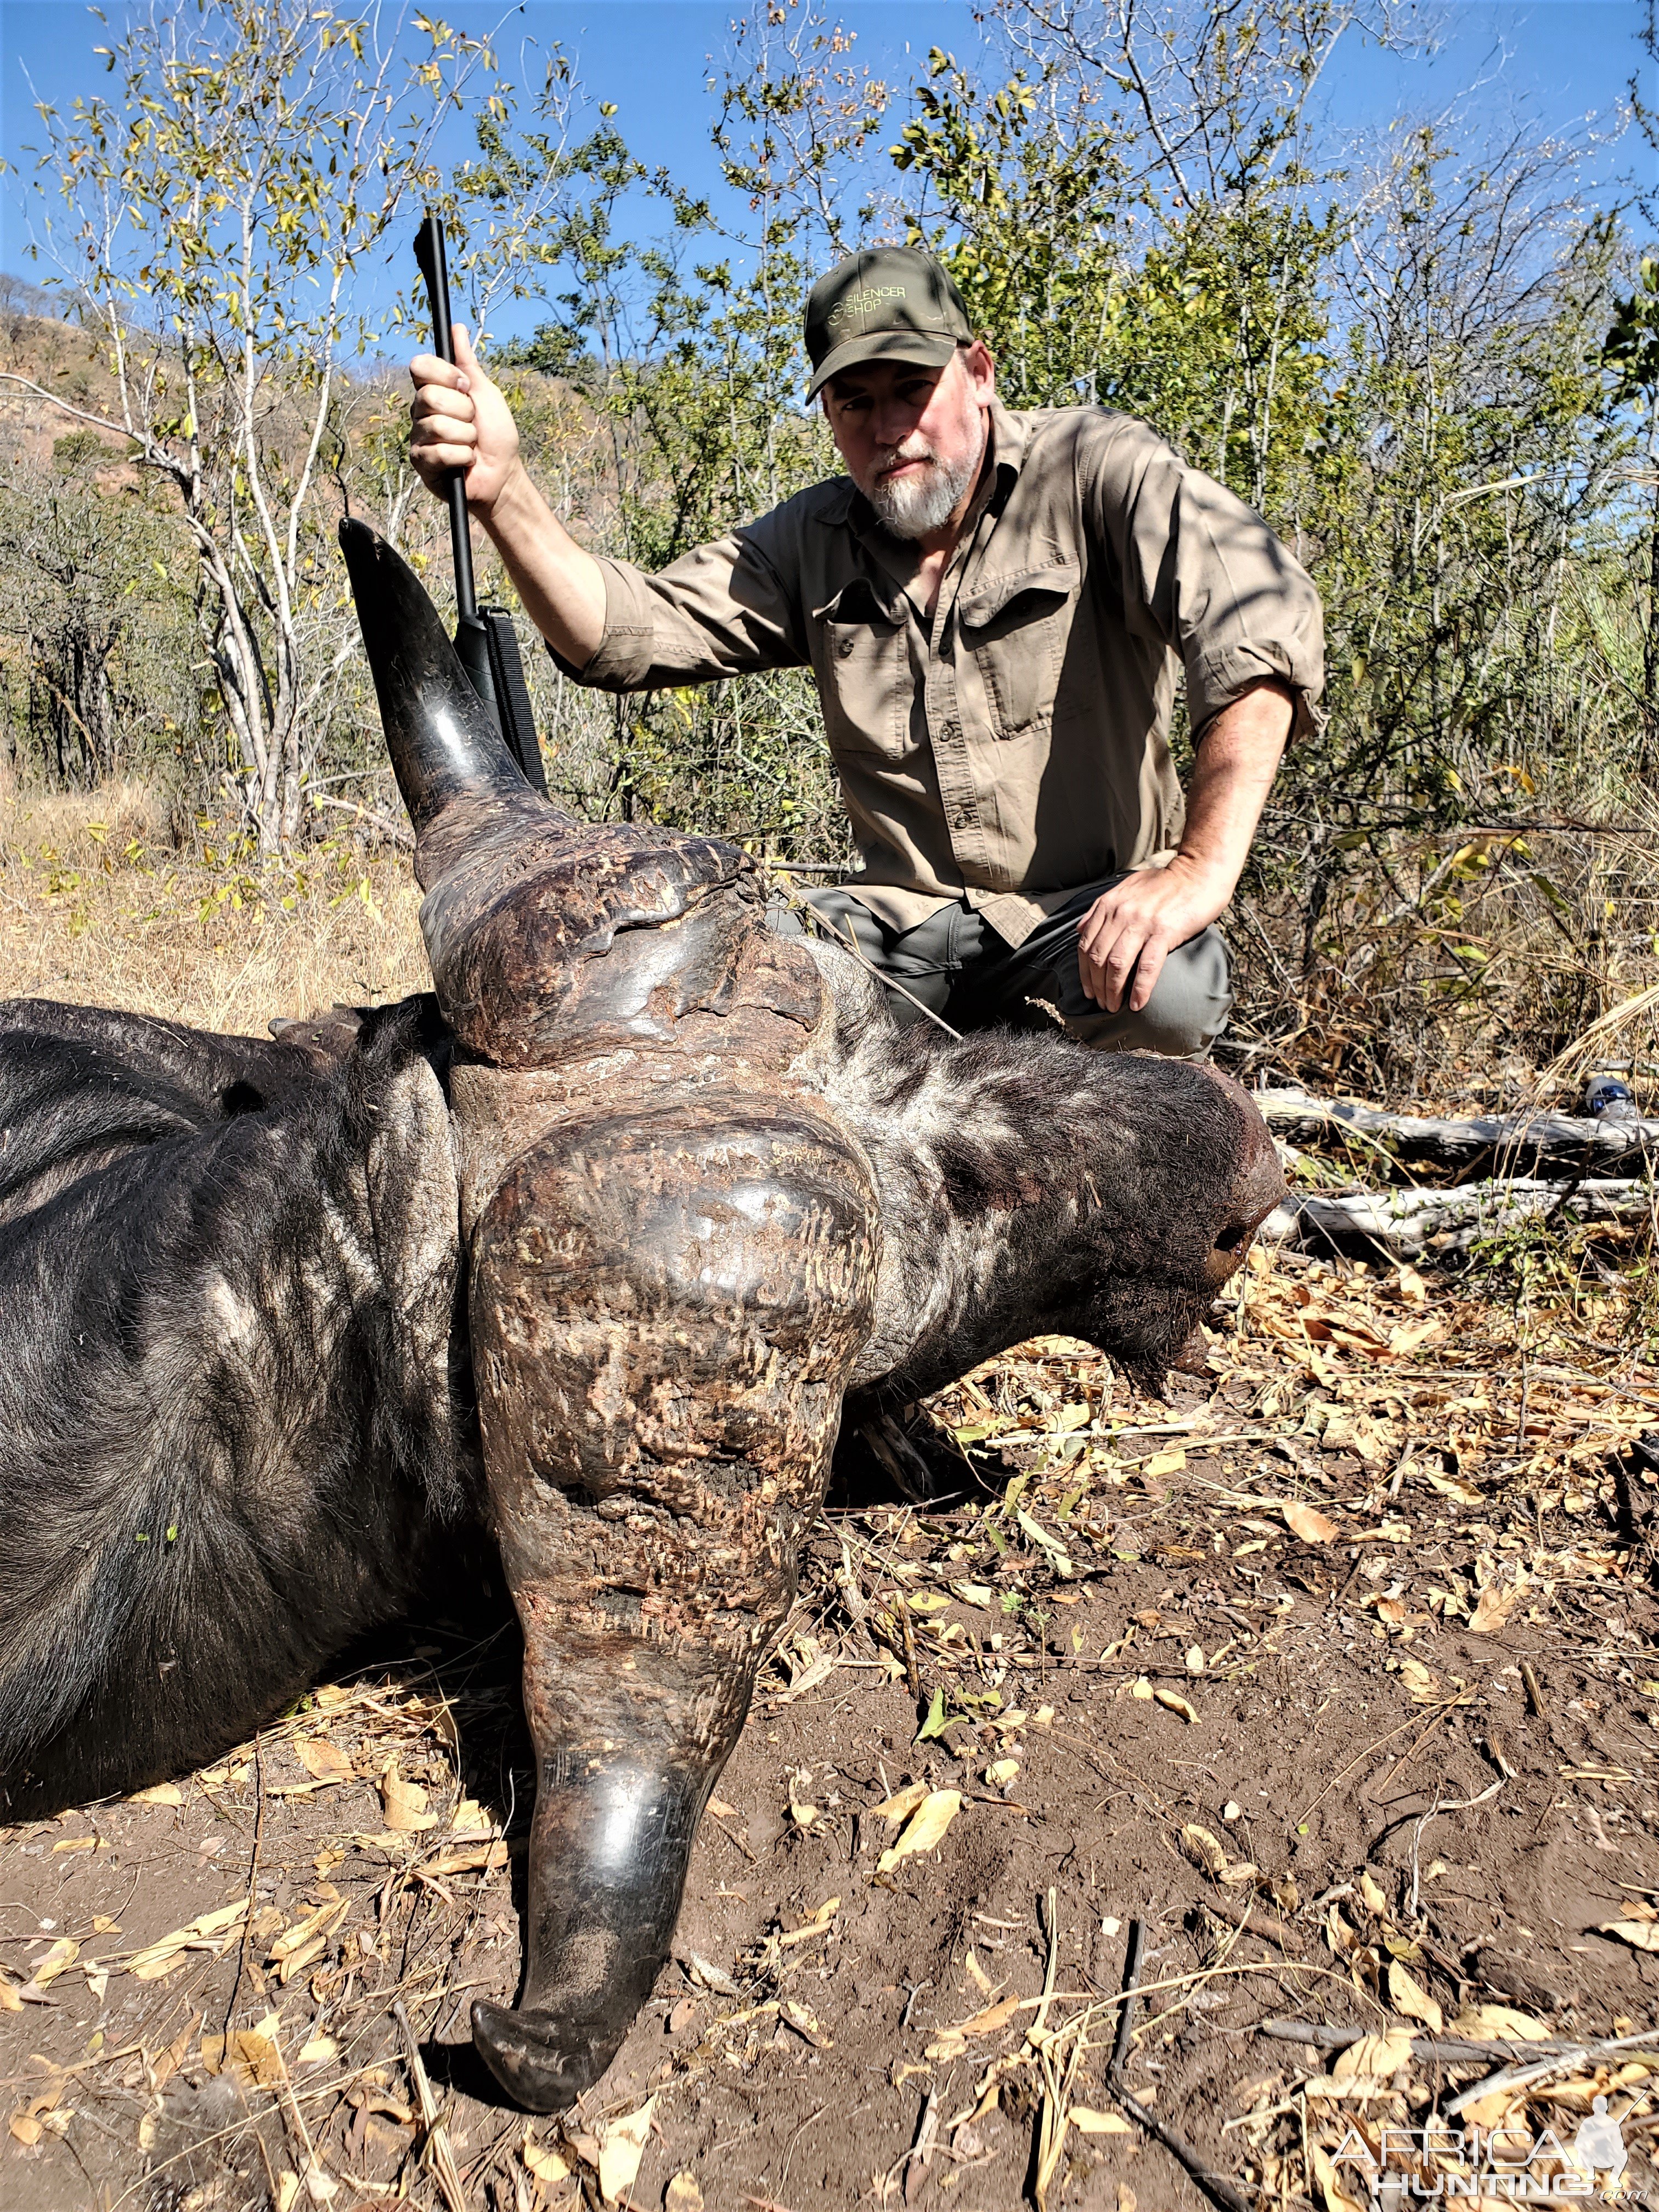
(1185, 1015)
(907, 963)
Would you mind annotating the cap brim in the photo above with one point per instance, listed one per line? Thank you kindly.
(917, 346)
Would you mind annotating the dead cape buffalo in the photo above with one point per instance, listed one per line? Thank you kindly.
(591, 1244)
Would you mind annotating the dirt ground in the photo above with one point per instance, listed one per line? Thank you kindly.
(1334, 1673)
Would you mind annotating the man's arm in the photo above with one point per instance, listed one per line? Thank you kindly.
(1137, 924)
(461, 420)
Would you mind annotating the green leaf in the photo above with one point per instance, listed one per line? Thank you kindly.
(937, 1721)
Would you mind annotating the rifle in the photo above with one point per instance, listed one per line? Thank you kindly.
(485, 640)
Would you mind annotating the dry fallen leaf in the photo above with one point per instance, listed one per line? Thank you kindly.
(1142, 1689)
(324, 1759)
(927, 1826)
(258, 2057)
(1408, 1997)
(1490, 2023)
(623, 2149)
(683, 2194)
(1173, 1702)
(469, 1858)
(1450, 1486)
(1423, 1685)
(1371, 1891)
(159, 1793)
(303, 1944)
(1165, 1462)
(817, 1925)
(213, 1930)
(1496, 1605)
(899, 1806)
(1205, 1851)
(51, 1963)
(1373, 2057)
(1089, 2123)
(1642, 1934)
(1330, 2178)
(1309, 1523)
(993, 2019)
(804, 2023)
(546, 2165)
(405, 1803)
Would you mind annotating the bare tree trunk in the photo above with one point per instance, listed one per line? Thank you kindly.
(1650, 646)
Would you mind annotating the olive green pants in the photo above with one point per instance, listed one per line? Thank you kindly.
(957, 966)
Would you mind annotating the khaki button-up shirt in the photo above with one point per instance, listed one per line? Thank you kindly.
(1015, 746)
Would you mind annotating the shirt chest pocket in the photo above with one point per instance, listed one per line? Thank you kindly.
(864, 674)
(1015, 629)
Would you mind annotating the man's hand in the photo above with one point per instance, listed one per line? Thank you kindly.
(1132, 929)
(461, 420)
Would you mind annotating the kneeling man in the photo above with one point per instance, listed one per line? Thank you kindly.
(995, 607)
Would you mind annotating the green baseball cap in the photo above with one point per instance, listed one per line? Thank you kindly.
(892, 303)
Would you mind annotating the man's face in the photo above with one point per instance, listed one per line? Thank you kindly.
(913, 438)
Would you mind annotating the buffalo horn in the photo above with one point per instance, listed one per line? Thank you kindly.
(443, 743)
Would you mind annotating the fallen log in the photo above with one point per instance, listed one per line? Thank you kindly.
(1547, 1146)
(1444, 1224)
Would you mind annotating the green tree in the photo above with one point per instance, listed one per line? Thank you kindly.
(216, 210)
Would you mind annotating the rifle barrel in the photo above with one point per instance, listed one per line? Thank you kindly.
(434, 267)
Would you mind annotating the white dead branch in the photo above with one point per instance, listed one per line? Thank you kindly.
(1410, 1224)
(1549, 1147)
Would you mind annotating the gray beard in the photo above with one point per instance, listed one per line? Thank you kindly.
(917, 507)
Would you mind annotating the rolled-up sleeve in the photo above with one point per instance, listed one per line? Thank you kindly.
(726, 610)
(1203, 573)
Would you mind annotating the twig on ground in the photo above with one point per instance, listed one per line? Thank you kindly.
(1282, 1938)
(920, 2153)
(1451, 2048)
(252, 1883)
(1516, 2077)
(1215, 2186)
(912, 1674)
(436, 2151)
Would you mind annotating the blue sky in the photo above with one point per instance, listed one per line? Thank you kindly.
(1563, 59)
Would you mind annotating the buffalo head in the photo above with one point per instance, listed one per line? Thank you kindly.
(689, 1226)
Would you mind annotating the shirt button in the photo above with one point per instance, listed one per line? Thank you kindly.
(959, 820)
(845, 647)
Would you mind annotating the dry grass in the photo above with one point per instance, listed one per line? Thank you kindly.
(1454, 964)
(99, 905)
